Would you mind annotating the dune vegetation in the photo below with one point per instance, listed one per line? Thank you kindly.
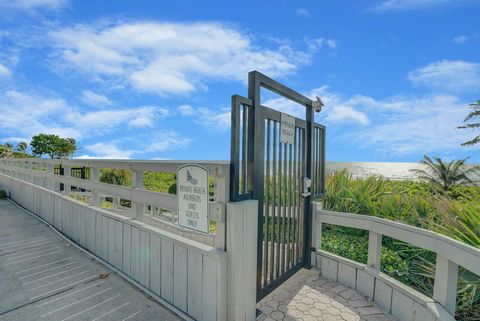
(454, 213)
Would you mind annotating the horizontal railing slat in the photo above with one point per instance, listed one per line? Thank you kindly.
(458, 252)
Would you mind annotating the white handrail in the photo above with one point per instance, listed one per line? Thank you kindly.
(450, 253)
(40, 171)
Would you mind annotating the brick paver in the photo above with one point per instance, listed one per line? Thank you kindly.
(307, 296)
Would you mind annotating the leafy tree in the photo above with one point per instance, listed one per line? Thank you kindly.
(445, 174)
(22, 147)
(470, 117)
(53, 146)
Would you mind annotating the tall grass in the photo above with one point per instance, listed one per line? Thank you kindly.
(455, 213)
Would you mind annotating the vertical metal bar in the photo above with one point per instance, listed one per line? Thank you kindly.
(244, 149)
(324, 135)
(290, 203)
(267, 204)
(316, 160)
(313, 163)
(301, 199)
(294, 198)
(319, 161)
(256, 130)
(234, 153)
(279, 223)
(308, 219)
(284, 214)
(274, 206)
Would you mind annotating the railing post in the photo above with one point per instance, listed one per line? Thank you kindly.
(67, 172)
(374, 250)
(316, 230)
(95, 177)
(50, 182)
(221, 191)
(137, 182)
(26, 175)
(445, 284)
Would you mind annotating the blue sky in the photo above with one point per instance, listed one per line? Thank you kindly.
(153, 79)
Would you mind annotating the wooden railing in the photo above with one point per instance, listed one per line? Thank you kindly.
(450, 255)
(157, 209)
(176, 266)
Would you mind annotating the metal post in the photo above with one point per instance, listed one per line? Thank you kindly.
(308, 173)
(256, 131)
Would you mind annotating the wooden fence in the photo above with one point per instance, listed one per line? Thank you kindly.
(183, 268)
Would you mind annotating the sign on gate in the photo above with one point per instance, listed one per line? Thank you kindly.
(192, 197)
(287, 129)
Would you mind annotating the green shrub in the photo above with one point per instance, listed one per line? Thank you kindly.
(3, 194)
(455, 213)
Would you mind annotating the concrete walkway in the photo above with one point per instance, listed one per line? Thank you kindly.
(43, 277)
(306, 296)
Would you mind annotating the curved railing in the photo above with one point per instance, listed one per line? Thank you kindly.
(154, 208)
(401, 301)
(183, 269)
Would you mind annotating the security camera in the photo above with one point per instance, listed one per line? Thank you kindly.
(318, 104)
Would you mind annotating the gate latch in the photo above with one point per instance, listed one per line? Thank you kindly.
(307, 183)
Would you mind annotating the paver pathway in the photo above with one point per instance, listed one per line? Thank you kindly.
(44, 277)
(307, 296)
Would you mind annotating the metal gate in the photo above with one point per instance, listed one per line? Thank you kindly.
(283, 177)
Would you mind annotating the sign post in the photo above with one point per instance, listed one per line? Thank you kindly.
(192, 197)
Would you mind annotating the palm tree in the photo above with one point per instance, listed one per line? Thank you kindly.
(22, 148)
(473, 115)
(445, 174)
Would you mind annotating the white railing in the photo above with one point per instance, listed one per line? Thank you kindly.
(403, 302)
(157, 209)
(174, 265)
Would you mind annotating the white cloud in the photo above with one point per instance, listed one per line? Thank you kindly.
(211, 119)
(28, 114)
(107, 150)
(345, 114)
(186, 110)
(93, 99)
(448, 75)
(301, 12)
(170, 58)
(317, 43)
(166, 140)
(397, 125)
(402, 5)
(107, 119)
(31, 5)
(14, 139)
(337, 110)
(420, 125)
(159, 141)
(460, 39)
(4, 71)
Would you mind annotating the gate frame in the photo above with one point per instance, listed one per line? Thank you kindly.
(257, 81)
(248, 158)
